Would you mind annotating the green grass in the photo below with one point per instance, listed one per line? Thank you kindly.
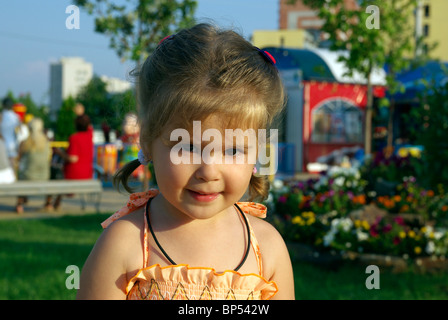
(348, 282)
(34, 255)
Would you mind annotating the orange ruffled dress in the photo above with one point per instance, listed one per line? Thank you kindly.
(182, 282)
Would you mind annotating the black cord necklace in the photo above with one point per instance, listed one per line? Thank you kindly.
(174, 263)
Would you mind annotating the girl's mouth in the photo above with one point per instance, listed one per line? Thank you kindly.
(203, 197)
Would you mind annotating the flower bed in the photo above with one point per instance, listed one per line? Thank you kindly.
(335, 214)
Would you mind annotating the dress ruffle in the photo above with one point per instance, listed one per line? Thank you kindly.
(182, 282)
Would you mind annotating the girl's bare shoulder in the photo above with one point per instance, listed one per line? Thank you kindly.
(127, 227)
(119, 251)
(267, 235)
(122, 238)
(271, 243)
(277, 265)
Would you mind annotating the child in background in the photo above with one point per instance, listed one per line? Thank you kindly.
(192, 238)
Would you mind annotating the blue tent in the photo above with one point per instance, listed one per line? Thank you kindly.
(414, 80)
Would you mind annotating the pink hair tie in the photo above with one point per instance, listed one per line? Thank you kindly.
(165, 38)
(267, 56)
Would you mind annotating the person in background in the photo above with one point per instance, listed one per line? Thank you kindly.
(78, 158)
(23, 131)
(34, 158)
(128, 143)
(7, 174)
(9, 124)
(106, 131)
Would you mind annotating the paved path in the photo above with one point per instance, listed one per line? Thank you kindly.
(111, 201)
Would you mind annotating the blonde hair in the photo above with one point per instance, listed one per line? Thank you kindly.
(204, 71)
(37, 141)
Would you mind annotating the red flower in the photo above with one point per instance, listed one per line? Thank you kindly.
(399, 220)
(282, 199)
(387, 228)
(373, 232)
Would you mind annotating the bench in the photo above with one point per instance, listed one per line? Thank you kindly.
(54, 187)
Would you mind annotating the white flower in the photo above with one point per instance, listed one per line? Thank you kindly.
(333, 213)
(339, 181)
(362, 236)
(438, 235)
(430, 247)
(328, 238)
(428, 231)
(277, 183)
(371, 194)
(346, 224)
(335, 223)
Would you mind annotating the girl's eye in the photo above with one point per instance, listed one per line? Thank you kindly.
(189, 148)
(233, 152)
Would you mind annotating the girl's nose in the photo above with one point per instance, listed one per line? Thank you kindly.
(208, 170)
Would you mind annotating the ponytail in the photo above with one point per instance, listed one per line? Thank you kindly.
(122, 175)
(258, 188)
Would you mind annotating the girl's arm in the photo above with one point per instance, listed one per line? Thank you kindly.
(283, 273)
(276, 260)
(103, 276)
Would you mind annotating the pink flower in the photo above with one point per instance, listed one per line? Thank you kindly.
(387, 228)
(399, 220)
(282, 199)
(396, 240)
(373, 232)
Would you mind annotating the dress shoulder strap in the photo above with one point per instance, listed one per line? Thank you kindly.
(145, 240)
(136, 200)
(257, 210)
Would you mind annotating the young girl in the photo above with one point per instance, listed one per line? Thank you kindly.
(191, 238)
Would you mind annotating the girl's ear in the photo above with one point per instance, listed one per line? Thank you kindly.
(147, 151)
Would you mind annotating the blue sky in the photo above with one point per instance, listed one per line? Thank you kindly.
(33, 34)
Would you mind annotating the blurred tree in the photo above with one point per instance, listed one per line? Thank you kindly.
(121, 104)
(431, 126)
(39, 111)
(136, 27)
(102, 106)
(379, 34)
(95, 99)
(65, 124)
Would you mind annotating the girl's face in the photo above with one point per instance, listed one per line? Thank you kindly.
(202, 173)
